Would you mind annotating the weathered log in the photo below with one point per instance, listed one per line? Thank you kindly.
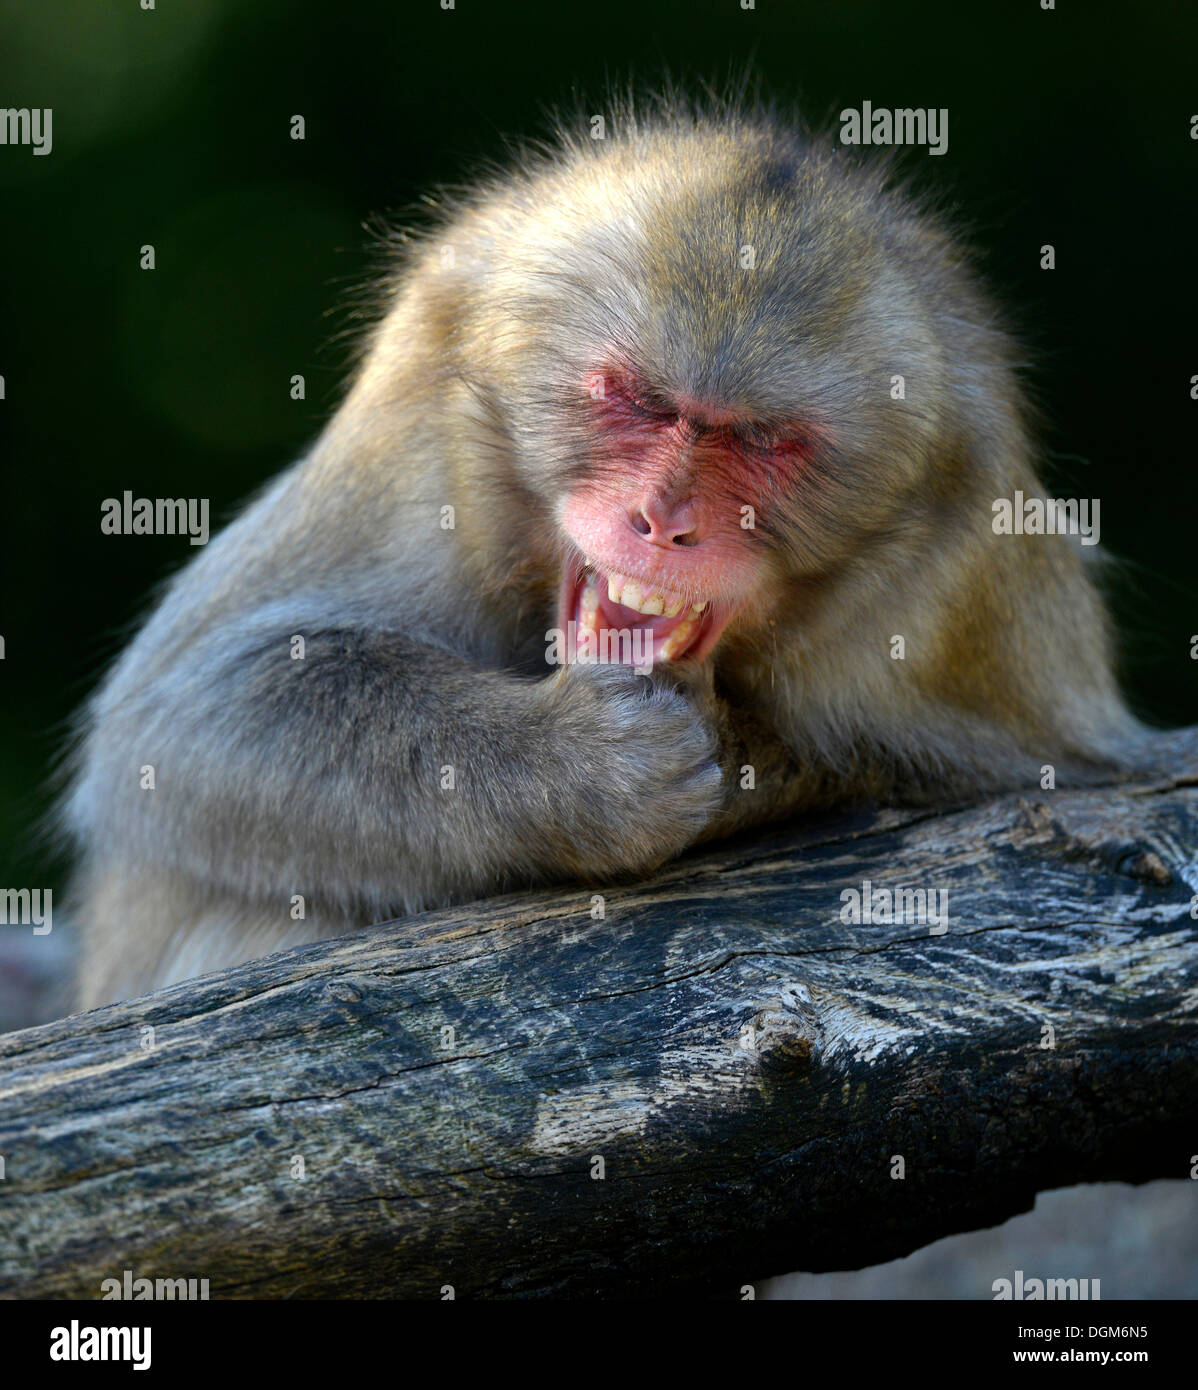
(427, 1103)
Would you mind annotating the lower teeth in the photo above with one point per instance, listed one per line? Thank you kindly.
(678, 640)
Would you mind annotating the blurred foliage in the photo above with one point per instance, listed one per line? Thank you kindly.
(171, 126)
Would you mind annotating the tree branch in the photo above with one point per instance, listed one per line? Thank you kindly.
(747, 1065)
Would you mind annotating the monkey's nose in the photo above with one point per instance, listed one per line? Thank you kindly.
(661, 524)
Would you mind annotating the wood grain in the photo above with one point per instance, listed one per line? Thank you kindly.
(745, 1063)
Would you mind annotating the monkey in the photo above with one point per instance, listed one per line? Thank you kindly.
(642, 385)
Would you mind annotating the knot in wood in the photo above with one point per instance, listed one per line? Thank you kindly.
(1147, 866)
(782, 1033)
(342, 991)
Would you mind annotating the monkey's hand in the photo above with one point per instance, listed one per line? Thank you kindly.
(642, 776)
(763, 779)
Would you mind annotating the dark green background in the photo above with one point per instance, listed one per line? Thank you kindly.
(171, 127)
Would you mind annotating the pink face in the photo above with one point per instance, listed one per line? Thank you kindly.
(666, 515)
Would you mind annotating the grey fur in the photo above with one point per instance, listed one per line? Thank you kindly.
(322, 777)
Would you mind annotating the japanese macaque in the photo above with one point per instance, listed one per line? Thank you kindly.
(708, 384)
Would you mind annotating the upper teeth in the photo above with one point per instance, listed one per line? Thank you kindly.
(653, 602)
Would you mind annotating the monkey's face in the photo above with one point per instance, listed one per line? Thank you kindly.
(718, 349)
(662, 520)
(700, 494)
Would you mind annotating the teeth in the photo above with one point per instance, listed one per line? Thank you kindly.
(678, 640)
(590, 596)
(654, 603)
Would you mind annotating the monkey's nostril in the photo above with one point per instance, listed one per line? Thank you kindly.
(667, 527)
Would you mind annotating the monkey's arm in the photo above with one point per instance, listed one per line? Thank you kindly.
(377, 772)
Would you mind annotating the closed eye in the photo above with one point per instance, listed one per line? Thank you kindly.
(652, 407)
(634, 401)
(757, 437)
(765, 438)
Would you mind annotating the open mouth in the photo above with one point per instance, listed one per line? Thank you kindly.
(621, 619)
